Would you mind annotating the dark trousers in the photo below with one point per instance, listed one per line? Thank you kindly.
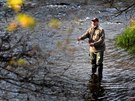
(96, 59)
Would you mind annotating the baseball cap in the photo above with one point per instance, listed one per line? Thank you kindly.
(95, 19)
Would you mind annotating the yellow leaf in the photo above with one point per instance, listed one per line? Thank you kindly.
(54, 23)
(16, 8)
(12, 26)
(12, 62)
(22, 61)
(15, 4)
(26, 20)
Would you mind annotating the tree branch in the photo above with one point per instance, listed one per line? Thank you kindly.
(124, 10)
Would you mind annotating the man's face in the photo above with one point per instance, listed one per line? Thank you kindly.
(94, 24)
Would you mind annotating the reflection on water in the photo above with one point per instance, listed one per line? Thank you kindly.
(95, 90)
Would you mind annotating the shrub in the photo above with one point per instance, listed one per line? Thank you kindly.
(127, 38)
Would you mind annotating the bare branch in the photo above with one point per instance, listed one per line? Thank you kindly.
(124, 10)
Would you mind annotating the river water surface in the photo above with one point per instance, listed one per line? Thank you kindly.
(70, 75)
(71, 70)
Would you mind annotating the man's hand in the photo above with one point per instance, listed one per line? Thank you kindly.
(91, 44)
(78, 39)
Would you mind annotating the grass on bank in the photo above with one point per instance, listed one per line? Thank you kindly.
(126, 40)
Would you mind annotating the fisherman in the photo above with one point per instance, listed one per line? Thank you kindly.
(96, 37)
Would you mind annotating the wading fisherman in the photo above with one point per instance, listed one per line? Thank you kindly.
(96, 37)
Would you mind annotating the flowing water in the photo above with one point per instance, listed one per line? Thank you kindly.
(74, 71)
(69, 64)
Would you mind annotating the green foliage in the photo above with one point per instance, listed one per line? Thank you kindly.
(127, 39)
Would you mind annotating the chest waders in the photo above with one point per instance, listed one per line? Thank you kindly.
(96, 59)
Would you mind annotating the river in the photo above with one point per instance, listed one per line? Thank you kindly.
(72, 69)
(68, 63)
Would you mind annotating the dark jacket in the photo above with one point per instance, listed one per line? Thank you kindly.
(96, 36)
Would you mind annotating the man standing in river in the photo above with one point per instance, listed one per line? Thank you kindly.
(96, 37)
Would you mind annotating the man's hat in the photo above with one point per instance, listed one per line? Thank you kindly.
(95, 19)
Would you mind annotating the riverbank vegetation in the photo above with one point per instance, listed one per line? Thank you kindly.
(127, 38)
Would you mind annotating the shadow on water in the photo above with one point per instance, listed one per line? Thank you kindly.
(95, 90)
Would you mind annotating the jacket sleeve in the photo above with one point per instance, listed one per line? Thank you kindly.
(85, 35)
(101, 39)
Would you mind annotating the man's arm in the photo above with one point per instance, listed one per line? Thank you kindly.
(84, 36)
